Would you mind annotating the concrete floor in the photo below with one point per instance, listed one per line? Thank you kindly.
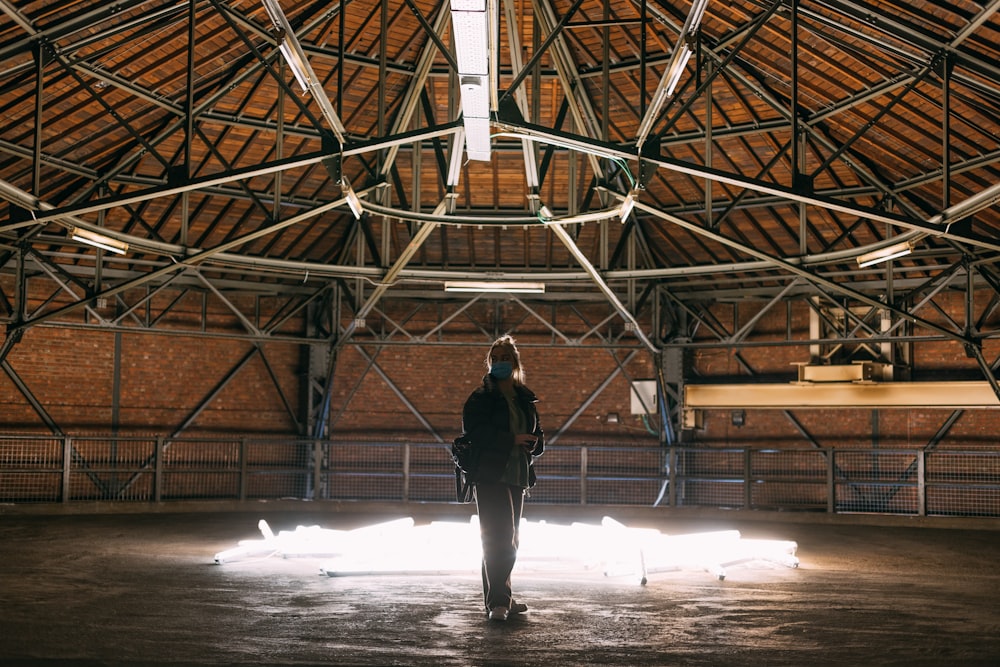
(143, 589)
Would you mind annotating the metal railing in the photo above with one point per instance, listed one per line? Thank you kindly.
(940, 482)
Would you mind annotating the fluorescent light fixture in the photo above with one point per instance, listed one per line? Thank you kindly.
(400, 546)
(294, 57)
(627, 205)
(677, 68)
(672, 76)
(296, 64)
(290, 48)
(695, 15)
(354, 201)
(470, 23)
(98, 240)
(885, 254)
(503, 286)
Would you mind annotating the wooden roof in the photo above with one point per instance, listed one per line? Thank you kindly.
(799, 135)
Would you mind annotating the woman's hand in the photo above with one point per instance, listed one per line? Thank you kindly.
(525, 440)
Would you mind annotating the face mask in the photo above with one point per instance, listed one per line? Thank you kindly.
(501, 370)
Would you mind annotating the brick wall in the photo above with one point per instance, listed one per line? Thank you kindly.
(163, 380)
(437, 380)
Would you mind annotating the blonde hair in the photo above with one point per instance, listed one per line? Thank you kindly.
(507, 341)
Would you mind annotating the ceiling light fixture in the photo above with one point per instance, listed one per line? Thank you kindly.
(470, 23)
(98, 240)
(290, 48)
(677, 66)
(678, 61)
(502, 286)
(354, 201)
(294, 57)
(580, 218)
(628, 204)
(885, 254)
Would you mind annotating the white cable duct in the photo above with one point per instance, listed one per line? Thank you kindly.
(471, 27)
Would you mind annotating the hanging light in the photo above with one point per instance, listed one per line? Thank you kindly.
(627, 205)
(678, 62)
(98, 240)
(885, 254)
(292, 51)
(496, 286)
(354, 201)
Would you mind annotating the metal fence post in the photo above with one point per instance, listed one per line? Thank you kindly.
(672, 477)
(921, 483)
(747, 474)
(317, 470)
(67, 465)
(158, 469)
(831, 488)
(406, 472)
(243, 469)
(583, 475)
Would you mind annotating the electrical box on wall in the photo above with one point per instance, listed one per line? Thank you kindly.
(692, 419)
(643, 396)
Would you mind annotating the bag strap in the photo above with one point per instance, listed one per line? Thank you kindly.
(463, 487)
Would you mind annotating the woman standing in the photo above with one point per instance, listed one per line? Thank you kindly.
(500, 419)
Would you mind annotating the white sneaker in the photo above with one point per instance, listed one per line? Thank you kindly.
(499, 613)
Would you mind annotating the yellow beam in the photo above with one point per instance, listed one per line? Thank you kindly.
(953, 395)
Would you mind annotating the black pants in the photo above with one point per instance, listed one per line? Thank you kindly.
(499, 507)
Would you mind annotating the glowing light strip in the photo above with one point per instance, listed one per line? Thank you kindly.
(354, 202)
(297, 61)
(513, 287)
(98, 240)
(678, 62)
(885, 254)
(611, 548)
(627, 205)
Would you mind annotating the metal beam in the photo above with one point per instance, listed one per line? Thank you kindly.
(389, 278)
(215, 391)
(579, 104)
(587, 401)
(33, 401)
(811, 277)
(953, 395)
(580, 257)
(399, 392)
(412, 97)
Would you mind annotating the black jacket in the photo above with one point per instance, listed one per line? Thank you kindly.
(486, 422)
